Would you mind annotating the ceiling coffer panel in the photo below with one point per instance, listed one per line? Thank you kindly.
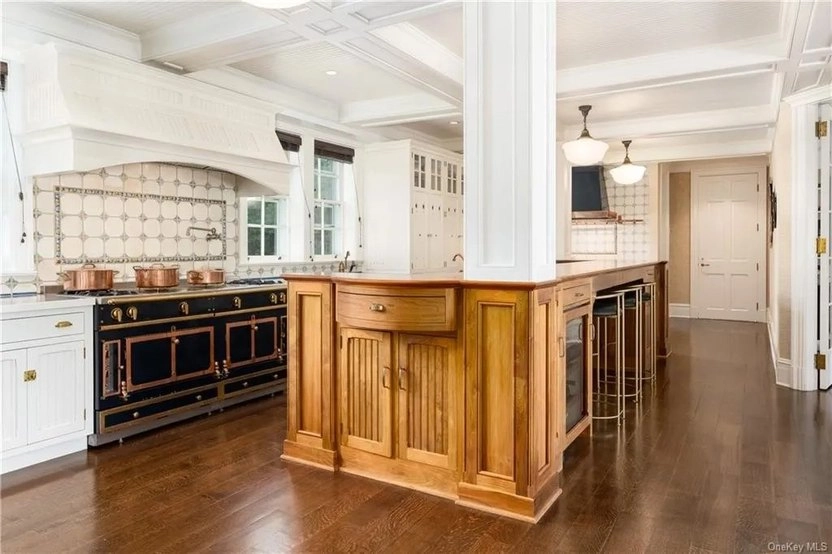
(89, 110)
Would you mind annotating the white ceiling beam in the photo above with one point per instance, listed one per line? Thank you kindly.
(408, 39)
(669, 67)
(396, 110)
(734, 118)
(699, 151)
(285, 99)
(208, 29)
(40, 23)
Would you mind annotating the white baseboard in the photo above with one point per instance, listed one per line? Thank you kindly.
(680, 310)
(783, 374)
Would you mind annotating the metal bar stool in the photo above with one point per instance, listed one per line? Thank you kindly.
(608, 391)
(634, 365)
(649, 326)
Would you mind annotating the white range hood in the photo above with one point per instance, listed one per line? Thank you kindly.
(87, 110)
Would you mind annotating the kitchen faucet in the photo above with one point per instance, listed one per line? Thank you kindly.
(342, 266)
(457, 256)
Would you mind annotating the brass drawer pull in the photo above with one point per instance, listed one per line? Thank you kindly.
(385, 376)
(376, 307)
(30, 375)
(63, 324)
(402, 377)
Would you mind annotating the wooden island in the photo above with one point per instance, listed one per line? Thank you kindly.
(442, 384)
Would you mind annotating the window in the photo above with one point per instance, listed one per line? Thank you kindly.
(266, 224)
(327, 224)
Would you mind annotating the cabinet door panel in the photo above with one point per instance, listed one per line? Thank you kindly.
(149, 361)
(55, 399)
(426, 400)
(13, 398)
(365, 384)
(194, 352)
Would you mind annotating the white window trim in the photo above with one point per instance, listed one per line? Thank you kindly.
(338, 205)
(282, 228)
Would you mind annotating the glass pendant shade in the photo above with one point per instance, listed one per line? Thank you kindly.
(585, 150)
(628, 173)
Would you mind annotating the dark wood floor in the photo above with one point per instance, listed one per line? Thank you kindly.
(716, 459)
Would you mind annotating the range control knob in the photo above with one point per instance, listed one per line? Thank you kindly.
(237, 302)
(282, 297)
(133, 313)
(116, 314)
(184, 309)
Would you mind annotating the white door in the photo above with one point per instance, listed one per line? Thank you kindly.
(728, 236)
(56, 396)
(825, 258)
(13, 398)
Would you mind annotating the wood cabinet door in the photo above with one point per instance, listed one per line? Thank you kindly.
(427, 393)
(13, 398)
(55, 397)
(365, 381)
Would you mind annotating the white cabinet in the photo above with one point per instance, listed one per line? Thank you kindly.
(413, 216)
(45, 386)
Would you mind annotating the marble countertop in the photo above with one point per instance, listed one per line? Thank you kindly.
(40, 302)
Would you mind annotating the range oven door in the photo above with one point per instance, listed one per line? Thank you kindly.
(150, 358)
(253, 339)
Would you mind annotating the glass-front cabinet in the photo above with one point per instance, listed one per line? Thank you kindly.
(575, 353)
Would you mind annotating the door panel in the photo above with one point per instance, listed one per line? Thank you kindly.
(426, 391)
(366, 381)
(265, 339)
(56, 397)
(238, 347)
(13, 398)
(729, 248)
(149, 361)
(194, 352)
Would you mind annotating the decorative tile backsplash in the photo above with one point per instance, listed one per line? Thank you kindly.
(122, 216)
(628, 240)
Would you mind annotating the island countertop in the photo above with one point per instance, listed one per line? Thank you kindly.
(564, 271)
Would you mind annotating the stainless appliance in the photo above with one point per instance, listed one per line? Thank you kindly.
(161, 357)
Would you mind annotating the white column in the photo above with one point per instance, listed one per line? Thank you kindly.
(509, 140)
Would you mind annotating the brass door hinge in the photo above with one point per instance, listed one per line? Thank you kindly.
(821, 128)
(820, 245)
(820, 361)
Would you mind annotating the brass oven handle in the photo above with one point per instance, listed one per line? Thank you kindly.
(385, 376)
(561, 347)
(376, 307)
(402, 377)
(63, 324)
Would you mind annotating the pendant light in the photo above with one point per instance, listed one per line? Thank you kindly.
(627, 173)
(585, 150)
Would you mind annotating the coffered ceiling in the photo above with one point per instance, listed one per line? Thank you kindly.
(682, 79)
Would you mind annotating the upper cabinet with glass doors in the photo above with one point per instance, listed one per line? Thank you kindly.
(413, 215)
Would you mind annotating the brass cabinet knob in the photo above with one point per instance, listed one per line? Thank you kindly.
(255, 327)
(133, 313)
(116, 314)
(376, 307)
(30, 375)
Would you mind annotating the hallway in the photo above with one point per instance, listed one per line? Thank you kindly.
(717, 458)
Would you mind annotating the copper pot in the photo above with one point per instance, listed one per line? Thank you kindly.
(88, 277)
(206, 277)
(157, 276)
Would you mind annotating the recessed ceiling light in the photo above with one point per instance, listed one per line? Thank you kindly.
(454, 122)
(331, 72)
